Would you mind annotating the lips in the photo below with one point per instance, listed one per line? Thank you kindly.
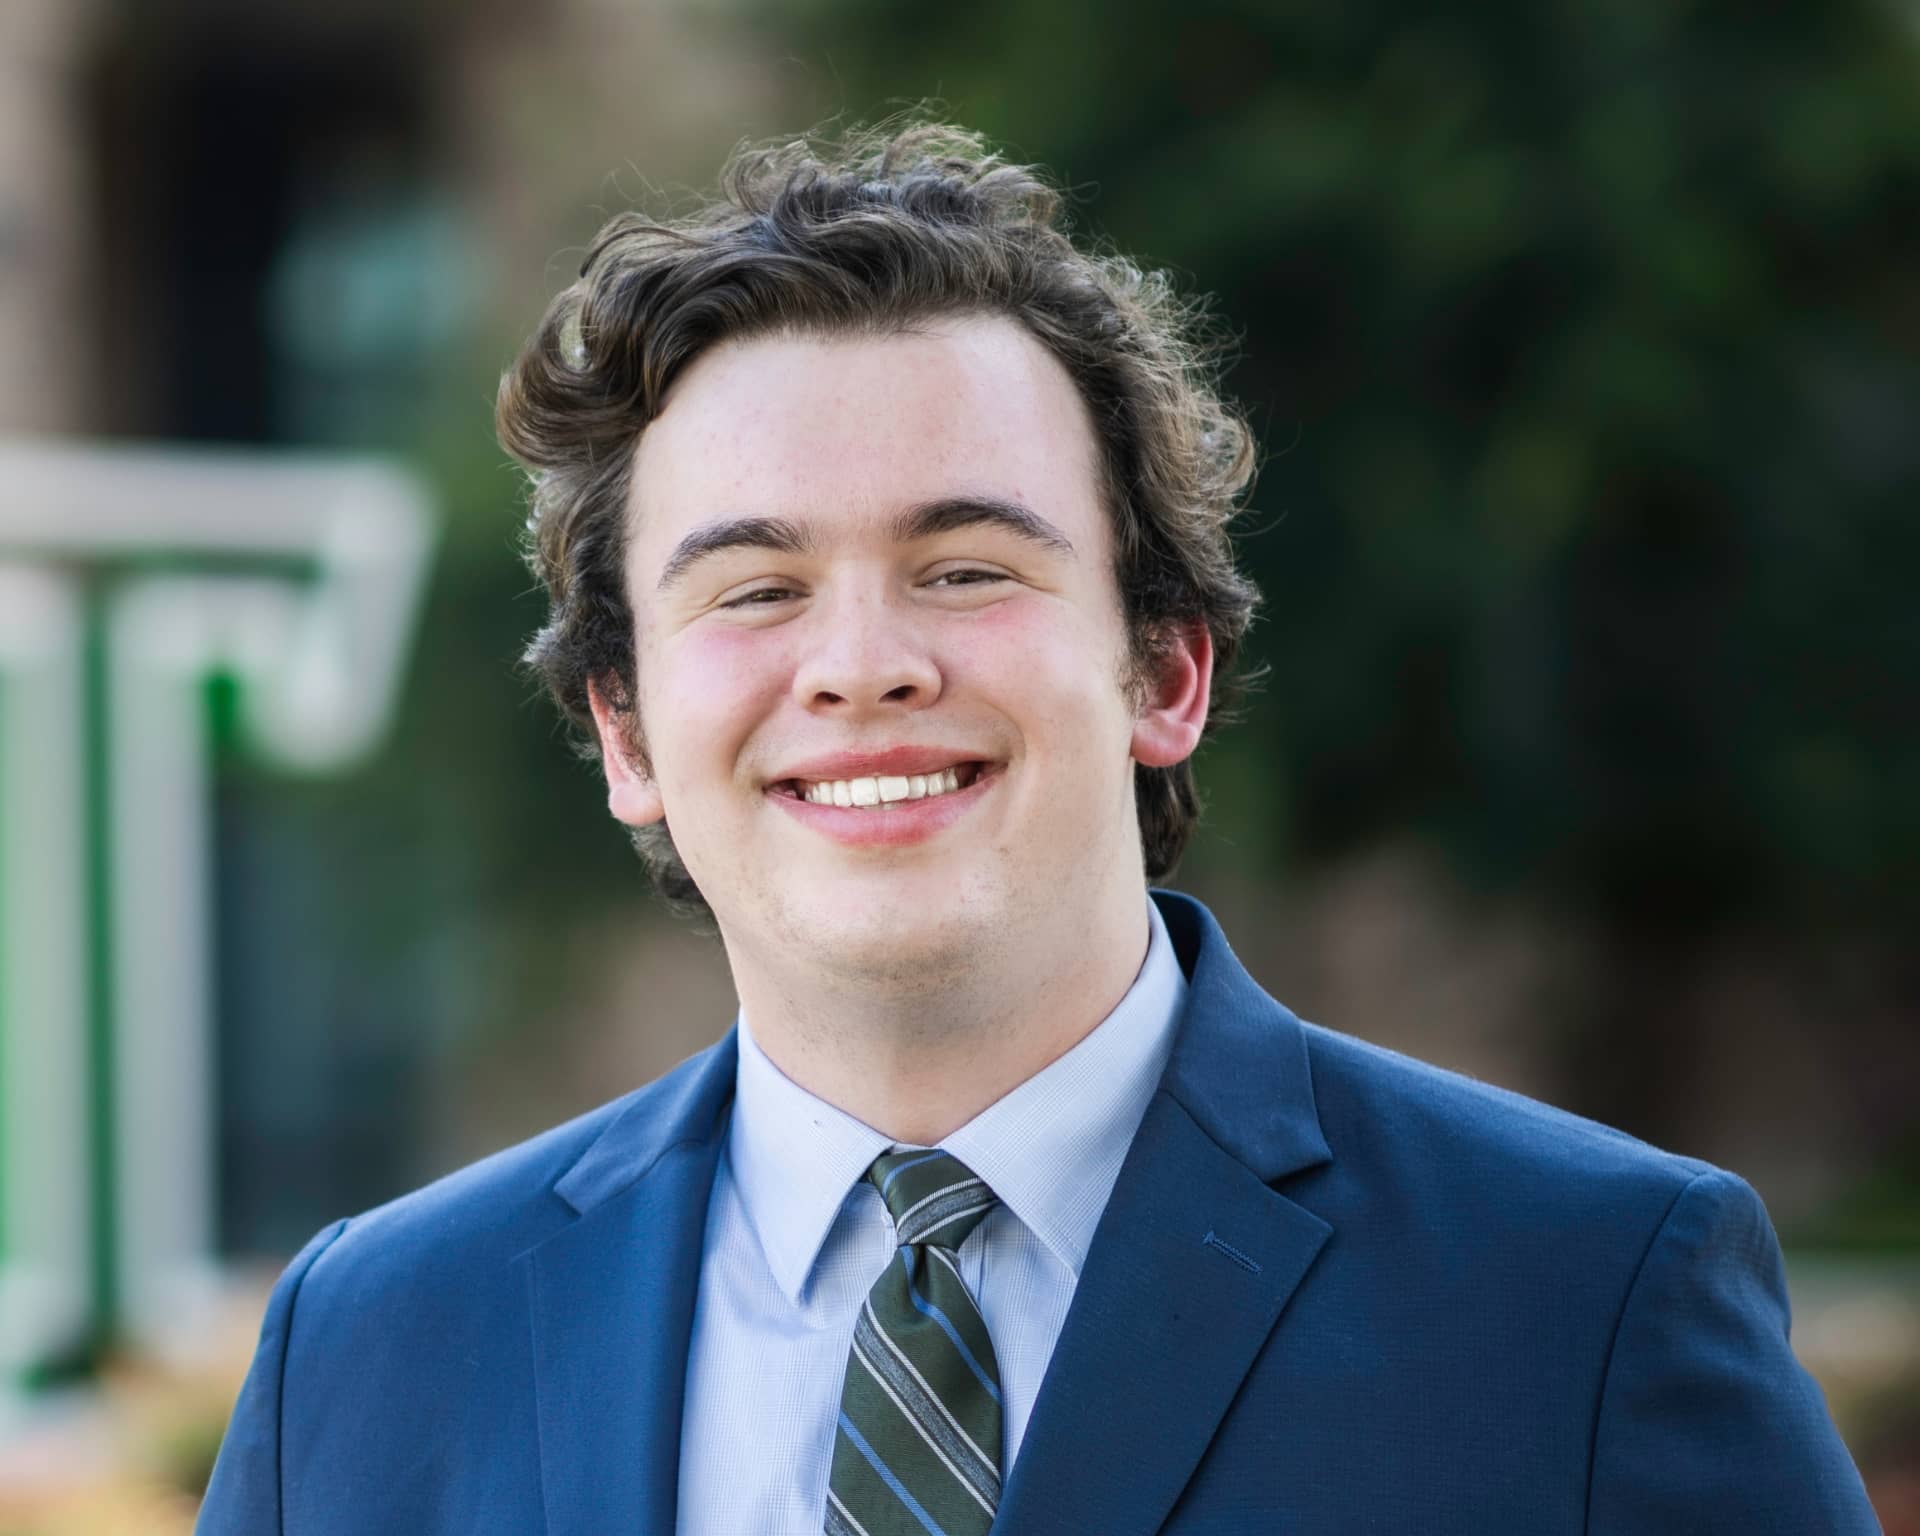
(881, 816)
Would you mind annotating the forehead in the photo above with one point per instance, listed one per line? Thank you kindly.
(846, 430)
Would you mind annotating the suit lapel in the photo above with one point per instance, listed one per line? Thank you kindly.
(612, 1297)
(1193, 1262)
(1191, 1267)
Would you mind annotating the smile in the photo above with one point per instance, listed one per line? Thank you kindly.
(882, 790)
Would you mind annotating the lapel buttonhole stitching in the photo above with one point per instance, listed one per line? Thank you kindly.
(1233, 1253)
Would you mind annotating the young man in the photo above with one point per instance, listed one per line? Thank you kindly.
(885, 533)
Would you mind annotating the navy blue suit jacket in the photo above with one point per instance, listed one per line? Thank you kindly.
(1334, 1290)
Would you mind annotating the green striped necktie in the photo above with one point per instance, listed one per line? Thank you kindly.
(917, 1449)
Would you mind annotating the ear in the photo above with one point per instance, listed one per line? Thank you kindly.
(1170, 721)
(632, 796)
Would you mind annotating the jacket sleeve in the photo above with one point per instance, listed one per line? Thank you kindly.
(243, 1498)
(1707, 1423)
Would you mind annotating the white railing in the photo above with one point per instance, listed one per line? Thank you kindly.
(299, 578)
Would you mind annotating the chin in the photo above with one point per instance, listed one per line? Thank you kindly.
(914, 934)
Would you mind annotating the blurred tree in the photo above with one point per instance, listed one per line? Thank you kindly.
(1585, 341)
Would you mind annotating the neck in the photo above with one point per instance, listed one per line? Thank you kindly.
(918, 1056)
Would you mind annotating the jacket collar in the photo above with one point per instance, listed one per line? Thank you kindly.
(683, 1107)
(1240, 1064)
(1195, 1259)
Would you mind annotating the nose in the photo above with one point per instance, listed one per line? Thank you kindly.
(865, 654)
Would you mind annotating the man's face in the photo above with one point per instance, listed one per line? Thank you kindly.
(881, 570)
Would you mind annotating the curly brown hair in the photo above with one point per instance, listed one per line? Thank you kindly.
(871, 233)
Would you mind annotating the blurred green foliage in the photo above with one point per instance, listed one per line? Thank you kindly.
(1584, 342)
(1584, 339)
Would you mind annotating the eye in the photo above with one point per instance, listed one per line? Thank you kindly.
(758, 597)
(967, 576)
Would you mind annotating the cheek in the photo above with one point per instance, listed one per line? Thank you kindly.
(1056, 657)
(704, 693)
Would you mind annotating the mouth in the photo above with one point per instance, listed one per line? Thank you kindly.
(879, 792)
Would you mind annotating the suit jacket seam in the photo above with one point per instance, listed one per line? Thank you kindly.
(693, 1140)
(531, 1279)
(1197, 1123)
(1619, 1324)
(1194, 1118)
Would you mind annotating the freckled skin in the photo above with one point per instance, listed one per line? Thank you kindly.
(909, 983)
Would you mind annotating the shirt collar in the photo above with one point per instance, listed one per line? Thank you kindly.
(1051, 1149)
(793, 1158)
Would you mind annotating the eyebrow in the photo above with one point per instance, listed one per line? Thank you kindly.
(775, 533)
(784, 536)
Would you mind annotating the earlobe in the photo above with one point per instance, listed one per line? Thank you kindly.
(632, 796)
(1168, 727)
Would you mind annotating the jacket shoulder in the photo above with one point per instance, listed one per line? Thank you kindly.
(1470, 1140)
(480, 1216)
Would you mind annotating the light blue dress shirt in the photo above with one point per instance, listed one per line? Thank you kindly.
(795, 1238)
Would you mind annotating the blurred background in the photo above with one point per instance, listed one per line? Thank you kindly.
(1584, 342)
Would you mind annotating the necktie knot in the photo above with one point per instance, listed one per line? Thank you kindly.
(932, 1196)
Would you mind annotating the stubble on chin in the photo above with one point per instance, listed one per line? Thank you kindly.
(918, 961)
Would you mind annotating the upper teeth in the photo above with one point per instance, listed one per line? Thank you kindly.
(882, 790)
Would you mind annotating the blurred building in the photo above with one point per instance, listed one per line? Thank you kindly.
(279, 230)
(240, 223)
